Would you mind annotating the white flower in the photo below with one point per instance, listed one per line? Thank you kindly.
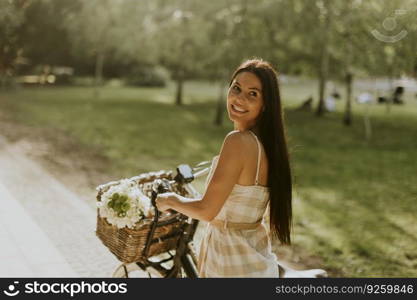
(127, 208)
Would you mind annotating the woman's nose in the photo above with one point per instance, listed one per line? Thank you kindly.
(240, 98)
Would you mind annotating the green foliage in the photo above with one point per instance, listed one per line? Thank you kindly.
(11, 18)
(207, 39)
(146, 76)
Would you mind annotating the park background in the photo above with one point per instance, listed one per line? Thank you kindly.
(98, 90)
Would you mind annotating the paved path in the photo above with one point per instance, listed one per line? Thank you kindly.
(45, 229)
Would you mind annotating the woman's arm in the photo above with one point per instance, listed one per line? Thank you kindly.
(188, 206)
(224, 178)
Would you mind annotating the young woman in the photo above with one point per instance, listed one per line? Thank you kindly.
(249, 179)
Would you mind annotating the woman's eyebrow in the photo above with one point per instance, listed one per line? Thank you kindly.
(255, 88)
(252, 88)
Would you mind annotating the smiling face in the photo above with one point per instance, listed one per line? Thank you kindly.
(245, 100)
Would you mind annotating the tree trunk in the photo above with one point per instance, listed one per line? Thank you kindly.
(390, 96)
(180, 86)
(98, 80)
(218, 120)
(324, 61)
(322, 88)
(3, 80)
(347, 120)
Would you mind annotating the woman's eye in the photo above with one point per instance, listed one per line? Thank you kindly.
(236, 88)
(254, 94)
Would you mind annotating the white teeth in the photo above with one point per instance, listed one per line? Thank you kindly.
(238, 109)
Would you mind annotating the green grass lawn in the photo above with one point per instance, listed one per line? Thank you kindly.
(355, 200)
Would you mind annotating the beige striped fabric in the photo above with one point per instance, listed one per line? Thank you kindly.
(231, 251)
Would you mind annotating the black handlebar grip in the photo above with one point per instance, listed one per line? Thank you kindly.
(164, 186)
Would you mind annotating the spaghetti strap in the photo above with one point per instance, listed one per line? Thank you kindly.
(259, 158)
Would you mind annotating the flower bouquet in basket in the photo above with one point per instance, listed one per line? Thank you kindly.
(126, 219)
(125, 204)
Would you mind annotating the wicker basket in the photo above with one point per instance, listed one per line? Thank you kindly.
(128, 244)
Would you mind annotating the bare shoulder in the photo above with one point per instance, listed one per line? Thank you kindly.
(234, 136)
(233, 144)
(237, 140)
(238, 143)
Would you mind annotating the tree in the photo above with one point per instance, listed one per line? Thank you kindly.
(11, 48)
(299, 36)
(92, 29)
(109, 28)
(43, 33)
(325, 26)
(180, 38)
(379, 50)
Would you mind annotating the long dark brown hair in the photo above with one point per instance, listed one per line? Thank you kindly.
(273, 138)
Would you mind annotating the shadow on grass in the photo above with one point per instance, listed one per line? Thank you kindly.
(357, 196)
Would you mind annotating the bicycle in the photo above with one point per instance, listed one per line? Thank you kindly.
(178, 263)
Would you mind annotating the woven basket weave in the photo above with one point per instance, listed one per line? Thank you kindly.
(128, 244)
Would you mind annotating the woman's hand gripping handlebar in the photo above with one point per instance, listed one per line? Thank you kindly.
(185, 175)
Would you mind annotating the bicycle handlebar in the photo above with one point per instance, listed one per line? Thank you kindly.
(183, 176)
